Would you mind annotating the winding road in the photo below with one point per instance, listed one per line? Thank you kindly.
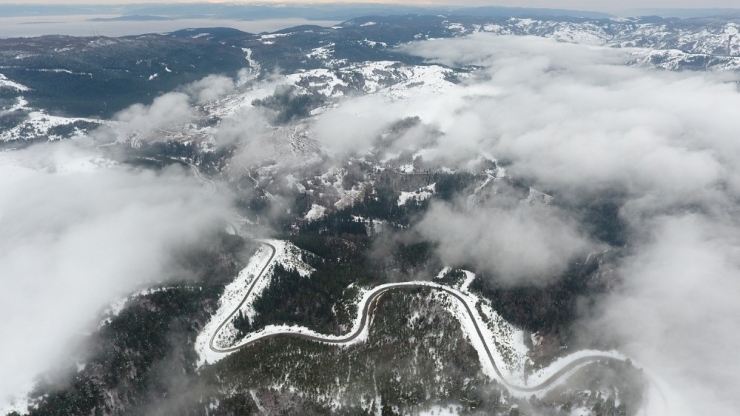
(656, 396)
(367, 308)
(655, 404)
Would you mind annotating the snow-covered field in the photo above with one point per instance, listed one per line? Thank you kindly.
(421, 194)
(6, 83)
(37, 123)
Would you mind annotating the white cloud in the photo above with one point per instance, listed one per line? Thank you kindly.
(527, 245)
(679, 308)
(355, 123)
(75, 234)
(167, 111)
(578, 122)
(210, 88)
(139, 121)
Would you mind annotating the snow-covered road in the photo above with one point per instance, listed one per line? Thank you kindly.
(472, 322)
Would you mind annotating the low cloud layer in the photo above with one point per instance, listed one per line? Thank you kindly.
(356, 123)
(168, 111)
(679, 308)
(210, 88)
(139, 121)
(578, 122)
(527, 245)
(76, 233)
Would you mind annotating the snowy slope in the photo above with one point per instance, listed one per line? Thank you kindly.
(287, 255)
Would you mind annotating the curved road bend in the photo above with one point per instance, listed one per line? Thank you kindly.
(256, 279)
(366, 312)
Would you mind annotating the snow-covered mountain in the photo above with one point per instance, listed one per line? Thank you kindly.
(49, 87)
(344, 220)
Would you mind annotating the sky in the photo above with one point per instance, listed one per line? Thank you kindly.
(596, 5)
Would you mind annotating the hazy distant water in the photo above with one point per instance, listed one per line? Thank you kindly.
(81, 26)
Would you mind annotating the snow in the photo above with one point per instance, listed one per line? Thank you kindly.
(349, 196)
(20, 104)
(456, 26)
(115, 307)
(537, 198)
(323, 52)
(249, 56)
(545, 373)
(373, 226)
(233, 295)
(495, 28)
(7, 83)
(668, 46)
(674, 59)
(421, 194)
(151, 77)
(37, 124)
(440, 411)
(60, 70)
(257, 402)
(418, 83)
(409, 80)
(503, 340)
(469, 277)
(19, 403)
(660, 399)
(373, 43)
(407, 168)
(293, 182)
(499, 336)
(580, 411)
(316, 212)
(332, 180)
(251, 73)
(369, 24)
(444, 272)
(287, 255)
(274, 36)
(323, 81)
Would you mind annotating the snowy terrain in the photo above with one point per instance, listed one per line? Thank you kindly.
(37, 123)
(285, 254)
(421, 194)
(504, 341)
(6, 83)
(430, 88)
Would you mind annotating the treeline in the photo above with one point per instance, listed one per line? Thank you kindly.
(415, 357)
(288, 104)
(158, 154)
(310, 301)
(550, 309)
